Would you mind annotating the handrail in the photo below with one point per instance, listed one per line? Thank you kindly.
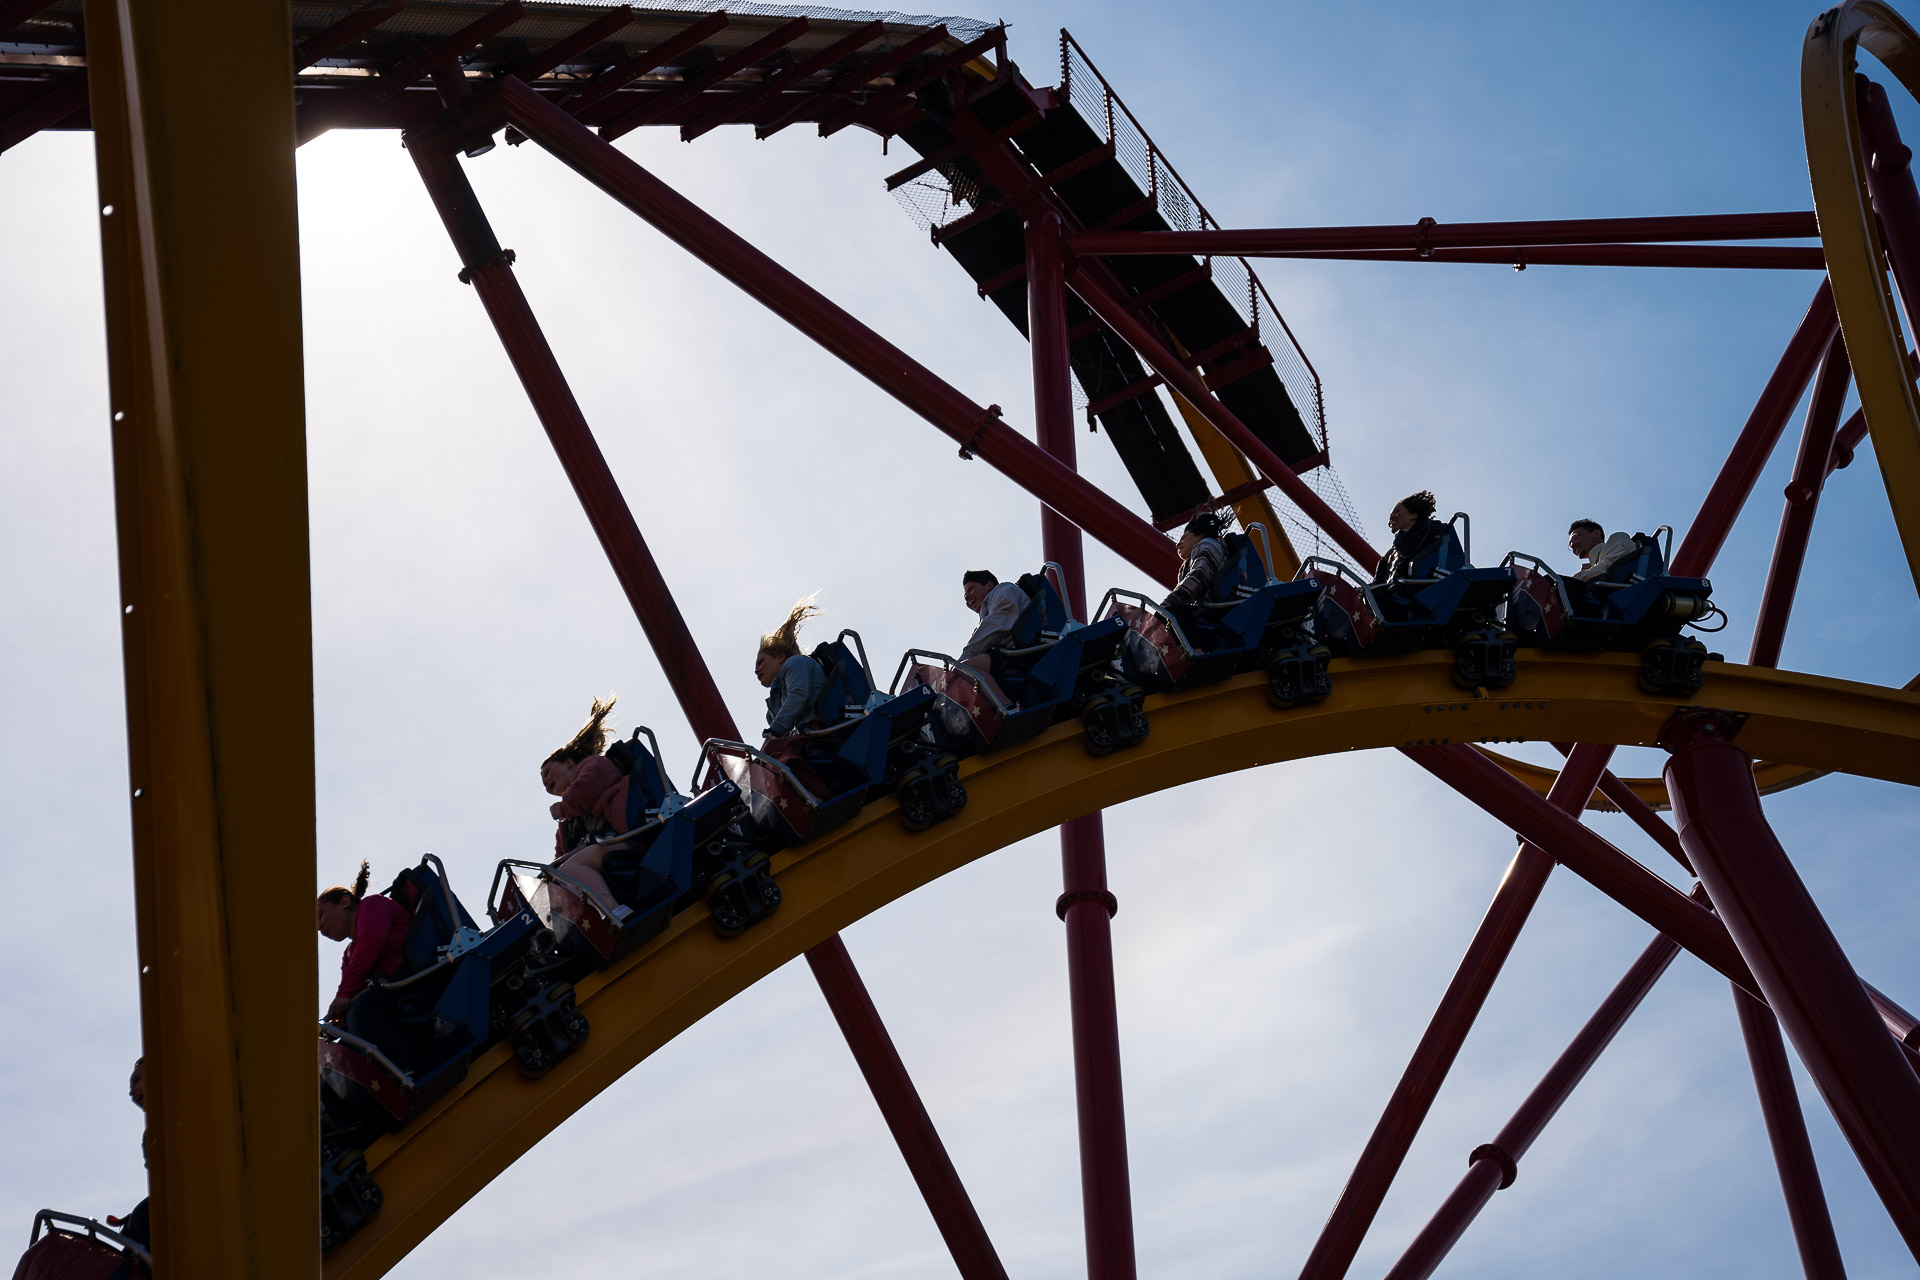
(446, 887)
(1060, 585)
(1266, 556)
(340, 1035)
(95, 1229)
(1666, 554)
(659, 761)
(1466, 543)
(866, 668)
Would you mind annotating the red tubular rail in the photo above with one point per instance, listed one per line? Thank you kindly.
(1192, 388)
(1086, 905)
(490, 272)
(905, 1114)
(1708, 532)
(1587, 855)
(1801, 971)
(1810, 470)
(979, 430)
(1387, 1146)
(486, 268)
(1428, 234)
(1717, 256)
(1890, 182)
(1787, 1134)
(1494, 1166)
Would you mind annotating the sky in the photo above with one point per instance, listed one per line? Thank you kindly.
(1283, 933)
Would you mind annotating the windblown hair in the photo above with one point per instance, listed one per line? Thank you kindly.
(985, 577)
(591, 739)
(340, 895)
(1208, 524)
(784, 641)
(1587, 524)
(1421, 504)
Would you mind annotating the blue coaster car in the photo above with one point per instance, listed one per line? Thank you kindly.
(459, 991)
(870, 744)
(1636, 607)
(671, 853)
(1053, 668)
(1439, 601)
(76, 1248)
(1250, 621)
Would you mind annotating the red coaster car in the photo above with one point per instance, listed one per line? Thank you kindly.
(76, 1248)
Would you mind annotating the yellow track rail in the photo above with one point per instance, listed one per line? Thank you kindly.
(1850, 235)
(461, 1143)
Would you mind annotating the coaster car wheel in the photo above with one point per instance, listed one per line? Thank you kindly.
(1102, 726)
(531, 1047)
(1671, 665)
(950, 794)
(1132, 717)
(761, 892)
(918, 806)
(1484, 659)
(724, 899)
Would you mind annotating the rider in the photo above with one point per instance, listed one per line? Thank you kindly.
(135, 1225)
(999, 605)
(795, 682)
(1202, 555)
(1586, 539)
(592, 801)
(1414, 533)
(374, 927)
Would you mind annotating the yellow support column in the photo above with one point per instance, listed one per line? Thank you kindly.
(1231, 470)
(194, 133)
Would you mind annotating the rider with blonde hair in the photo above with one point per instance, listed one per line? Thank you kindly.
(592, 802)
(795, 679)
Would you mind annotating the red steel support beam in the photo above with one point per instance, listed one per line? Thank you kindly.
(1587, 855)
(655, 105)
(567, 48)
(1802, 972)
(14, 13)
(1721, 256)
(1380, 1160)
(902, 91)
(1428, 234)
(610, 81)
(1114, 314)
(859, 77)
(906, 1115)
(331, 40)
(1890, 182)
(43, 111)
(978, 430)
(1494, 1166)
(489, 269)
(1787, 1134)
(747, 100)
(343, 106)
(1708, 532)
(1810, 469)
(1086, 905)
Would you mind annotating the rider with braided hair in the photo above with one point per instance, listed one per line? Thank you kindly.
(374, 927)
